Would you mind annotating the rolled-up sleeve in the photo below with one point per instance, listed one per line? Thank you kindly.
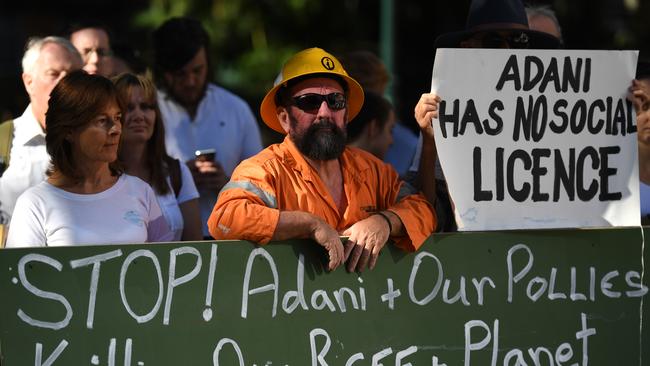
(246, 208)
(413, 209)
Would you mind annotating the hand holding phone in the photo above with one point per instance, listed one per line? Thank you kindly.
(205, 154)
(208, 174)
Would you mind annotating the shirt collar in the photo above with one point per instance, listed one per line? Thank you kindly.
(352, 167)
(169, 98)
(294, 158)
(27, 128)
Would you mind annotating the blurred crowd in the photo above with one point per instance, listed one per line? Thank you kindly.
(112, 150)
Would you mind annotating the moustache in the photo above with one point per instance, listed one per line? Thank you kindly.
(322, 124)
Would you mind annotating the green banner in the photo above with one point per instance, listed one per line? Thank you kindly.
(548, 297)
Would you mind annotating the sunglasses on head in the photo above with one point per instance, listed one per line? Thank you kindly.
(311, 102)
(511, 40)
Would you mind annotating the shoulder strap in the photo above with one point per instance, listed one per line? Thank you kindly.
(6, 138)
(175, 175)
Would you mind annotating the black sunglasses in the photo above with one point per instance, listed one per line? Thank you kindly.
(311, 102)
(496, 40)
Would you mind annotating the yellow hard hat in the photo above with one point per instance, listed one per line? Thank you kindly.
(306, 62)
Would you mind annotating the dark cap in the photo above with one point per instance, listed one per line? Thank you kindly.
(177, 41)
(497, 15)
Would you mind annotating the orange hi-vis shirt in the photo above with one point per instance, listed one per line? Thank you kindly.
(280, 179)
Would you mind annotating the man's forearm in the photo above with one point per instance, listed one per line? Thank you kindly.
(295, 224)
(396, 226)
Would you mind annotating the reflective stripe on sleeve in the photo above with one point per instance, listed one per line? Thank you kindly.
(266, 197)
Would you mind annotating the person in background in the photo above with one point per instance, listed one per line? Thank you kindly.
(372, 75)
(142, 153)
(93, 43)
(371, 130)
(640, 95)
(86, 198)
(45, 61)
(126, 59)
(367, 69)
(542, 18)
(198, 114)
(314, 186)
(490, 24)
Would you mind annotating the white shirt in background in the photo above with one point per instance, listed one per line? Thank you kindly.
(223, 122)
(169, 203)
(28, 162)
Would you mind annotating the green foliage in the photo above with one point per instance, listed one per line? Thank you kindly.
(252, 38)
(254, 72)
(158, 11)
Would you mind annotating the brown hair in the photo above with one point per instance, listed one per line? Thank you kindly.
(175, 43)
(157, 158)
(367, 69)
(375, 107)
(74, 102)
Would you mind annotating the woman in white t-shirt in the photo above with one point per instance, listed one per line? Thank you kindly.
(143, 154)
(86, 198)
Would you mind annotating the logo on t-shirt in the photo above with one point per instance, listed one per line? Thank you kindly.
(134, 218)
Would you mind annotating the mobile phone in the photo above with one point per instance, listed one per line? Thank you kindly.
(205, 154)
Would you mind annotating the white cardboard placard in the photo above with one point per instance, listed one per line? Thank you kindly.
(537, 138)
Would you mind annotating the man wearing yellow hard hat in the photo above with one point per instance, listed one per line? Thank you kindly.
(311, 185)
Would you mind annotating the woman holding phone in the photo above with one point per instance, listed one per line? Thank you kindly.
(144, 155)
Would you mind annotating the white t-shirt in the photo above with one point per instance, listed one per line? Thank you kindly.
(125, 213)
(223, 121)
(169, 203)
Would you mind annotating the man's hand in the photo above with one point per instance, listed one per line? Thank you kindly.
(208, 175)
(300, 224)
(366, 239)
(425, 111)
(326, 236)
(640, 96)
